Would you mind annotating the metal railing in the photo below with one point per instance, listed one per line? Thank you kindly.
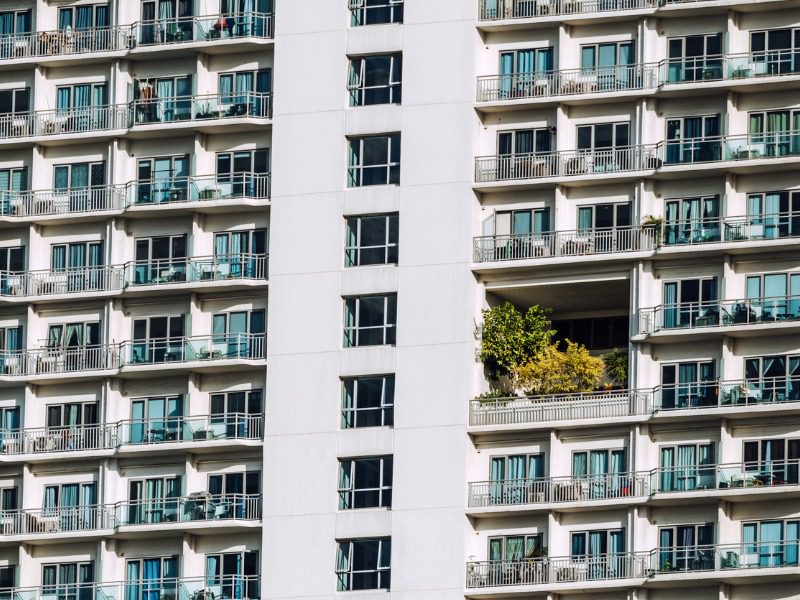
(494, 10)
(62, 281)
(225, 346)
(760, 474)
(177, 30)
(66, 42)
(516, 492)
(200, 506)
(555, 570)
(43, 440)
(230, 426)
(58, 519)
(584, 242)
(107, 198)
(751, 146)
(237, 587)
(170, 271)
(718, 67)
(719, 313)
(616, 404)
(725, 557)
(64, 121)
(536, 165)
(201, 108)
(567, 82)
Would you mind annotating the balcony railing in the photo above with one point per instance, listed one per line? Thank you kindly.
(202, 108)
(567, 82)
(494, 10)
(557, 570)
(584, 242)
(64, 121)
(60, 519)
(66, 42)
(200, 506)
(615, 404)
(638, 484)
(719, 313)
(59, 361)
(234, 587)
(177, 30)
(725, 557)
(752, 146)
(515, 492)
(231, 426)
(225, 267)
(567, 163)
(695, 69)
(63, 281)
(111, 436)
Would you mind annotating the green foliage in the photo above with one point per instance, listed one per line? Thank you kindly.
(616, 363)
(511, 339)
(557, 372)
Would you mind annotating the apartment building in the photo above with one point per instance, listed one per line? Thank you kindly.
(629, 164)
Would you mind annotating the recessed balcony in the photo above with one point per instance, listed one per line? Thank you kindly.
(67, 43)
(198, 192)
(200, 512)
(663, 485)
(749, 316)
(738, 398)
(208, 29)
(739, 71)
(131, 436)
(190, 352)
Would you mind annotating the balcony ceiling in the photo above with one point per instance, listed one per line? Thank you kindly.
(570, 296)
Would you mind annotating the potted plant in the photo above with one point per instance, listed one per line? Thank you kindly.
(654, 225)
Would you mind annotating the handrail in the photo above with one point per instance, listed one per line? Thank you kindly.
(646, 402)
(719, 313)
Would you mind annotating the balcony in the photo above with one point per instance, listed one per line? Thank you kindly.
(720, 314)
(129, 435)
(725, 559)
(564, 244)
(134, 196)
(497, 10)
(63, 122)
(225, 268)
(568, 82)
(540, 412)
(728, 70)
(209, 28)
(209, 107)
(567, 163)
(555, 572)
(754, 146)
(64, 43)
(498, 497)
(235, 587)
(132, 355)
(25, 284)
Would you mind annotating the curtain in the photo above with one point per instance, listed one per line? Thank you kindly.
(665, 553)
(770, 543)
(578, 545)
(63, 97)
(133, 576)
(59, 259)
(535, 466)
(64, 18)
(514, 548)
(617, 468)
(165, 91)
(585, 219)
(83, 17)
(137, 422)
(579, 464)
(226, 88)
(686, 471)
(598, 462)
(791, 538)
(670, 300)
(667, 465)
(69, 495)
(50, 497)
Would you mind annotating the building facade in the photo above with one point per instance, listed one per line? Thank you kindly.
(245, 246)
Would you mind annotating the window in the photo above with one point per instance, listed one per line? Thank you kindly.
(16, 101)
(83, 17)
(770, 379)
(78, 176)
(594, 548)
(371, 240)
(692, 220)
(694, 58)
(512, 477)
(162, 179)
(775, 51)
(774, 296)
(365, 483)
(72, 415)
(686, 547)
(610, 63)
(15, 21)
(245, 93)
(603, 136)
(776, 131)
(239, 334)
(160, 260)
(8, 575)
(158, 339)
(83, 95)
(166, 21)
(771, 215)
(772, 461)
(522, 223)
(237, 414)
(246, 172)
(364, 564)
(524, 141)
(687, 467)
(162, 99)
(376, 80)
(240, 254)
(68, 581)
(235, 495)
(688, 384)
(374, 160)
(72, 504)
(234, 574)
(694, 139)
(771, 543)
(604, 469)
(690, 303)
(151, 578)
(13, 182)
(514, 548)
(370, 320)
(153, 500)
(598, 333)
(248, 17)
(604, 216)
(375, 12)
(9, 418)
(523, 73)
(73, 335)
(74, 257)
(8, 501)
(156, 419)
(368, 402)
(11, 339)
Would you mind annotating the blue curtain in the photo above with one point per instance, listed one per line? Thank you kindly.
(133, 577)
(579, 464)
(63, 97)
(670, 299)
(770, 544)
(791, 538)
(165, 91)
(212, 569)
(506, 72)
(686, 472)
(536, 466)
(578, 546)
(64, 18)
(83, 17)
(598, 462)
(81, 96)
(137, 425)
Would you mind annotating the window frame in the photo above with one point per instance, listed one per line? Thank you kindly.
(357, 88)
(345, 573)
(348, 489)
(388, 329)
(353, 249)
(350, 415)
(360, 12)
(356, 166)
